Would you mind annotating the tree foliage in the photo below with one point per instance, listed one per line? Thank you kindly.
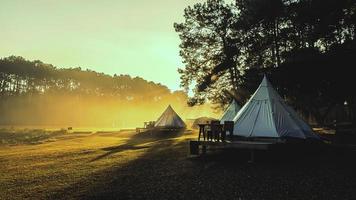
(23, 77)
(227, 47)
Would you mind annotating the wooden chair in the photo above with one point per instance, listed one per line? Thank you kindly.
(228, 127)
(215, 130)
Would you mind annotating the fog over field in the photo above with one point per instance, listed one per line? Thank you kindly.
(92, 112)
(33, 93)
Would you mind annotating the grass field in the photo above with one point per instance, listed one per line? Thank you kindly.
(122, 165)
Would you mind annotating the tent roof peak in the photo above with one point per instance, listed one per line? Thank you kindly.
(265, 82)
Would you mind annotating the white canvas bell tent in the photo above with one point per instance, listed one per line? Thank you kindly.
(230, 112)
(169, 119)
(267, 115)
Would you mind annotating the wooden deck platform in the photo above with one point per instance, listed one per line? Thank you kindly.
(238, 144)
(196, 145)
(257, 145)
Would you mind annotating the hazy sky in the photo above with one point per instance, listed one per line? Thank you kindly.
(133, 37)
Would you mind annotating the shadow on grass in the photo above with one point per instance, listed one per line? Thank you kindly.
(113, 182)
(166, 172)
(118, 149)
(139, 141)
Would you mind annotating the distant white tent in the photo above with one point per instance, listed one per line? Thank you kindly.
(266, 115)
(230, 112)
(169, 119)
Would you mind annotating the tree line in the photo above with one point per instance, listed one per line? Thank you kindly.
(33, 93)
(306, 47)
(19, 76)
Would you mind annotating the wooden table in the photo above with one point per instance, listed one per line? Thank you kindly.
(202, 130)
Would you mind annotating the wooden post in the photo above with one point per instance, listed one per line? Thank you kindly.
(203, 149)
(252, 156)
(200, 130)
(194, 148)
